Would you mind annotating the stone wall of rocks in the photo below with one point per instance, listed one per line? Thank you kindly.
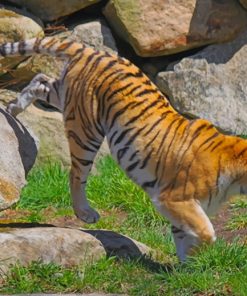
(194, 50)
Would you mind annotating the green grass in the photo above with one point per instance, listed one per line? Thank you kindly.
(239, 218)
(217, 270)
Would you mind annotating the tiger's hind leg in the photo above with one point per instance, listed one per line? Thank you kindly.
(42, 88)
(191, 226)
(83, 151)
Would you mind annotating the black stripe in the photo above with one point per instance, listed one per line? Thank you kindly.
(12, 47)
(119, 113)
(163, 116)
(37, 45)
(71, 115)
(132, 90)
(209, 139)
(121, 152)
(105, 70)
(168, 149)
(151, 141)
(143, 111)
(139, 73)
(89, 58)
(74, 61)
(78, 141)
(108, 110)
(112, 94)
(104, 95)
(193, 138)
(241, 153)
(84, 162)
(64, 47)
(132, 166)
(217, 145)
(149, 184)
(191, 162)
(2, 50)
(177, 117)
(175, 229)
(146, 92)
(111, 138)
(134, 155)
(146, 159)
(218, 175)
(122, 135)
(136, 134)
(21, 47)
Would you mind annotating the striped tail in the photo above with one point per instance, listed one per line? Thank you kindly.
(47, 45)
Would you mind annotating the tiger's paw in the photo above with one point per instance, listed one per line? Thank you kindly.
(14, 109)
(88, 215)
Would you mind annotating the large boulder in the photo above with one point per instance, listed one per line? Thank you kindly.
(212, 85)
(64, 246)
(159, 27)
(15, 27)
(52, 10)
(18, 151)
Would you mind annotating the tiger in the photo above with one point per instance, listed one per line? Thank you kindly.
(187, 167)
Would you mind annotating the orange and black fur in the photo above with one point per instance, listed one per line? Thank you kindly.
(187, 167)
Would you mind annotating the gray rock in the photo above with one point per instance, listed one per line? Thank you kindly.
(212, 85)
(95, 34)
(18, 152)
(64, 246)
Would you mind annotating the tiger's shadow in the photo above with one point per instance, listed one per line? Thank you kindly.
(115, 244)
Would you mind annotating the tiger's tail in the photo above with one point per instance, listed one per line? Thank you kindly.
(48, 45)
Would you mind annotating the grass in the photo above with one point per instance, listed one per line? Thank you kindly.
(217, 270)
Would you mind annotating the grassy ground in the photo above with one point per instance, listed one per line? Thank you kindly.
(125, 208)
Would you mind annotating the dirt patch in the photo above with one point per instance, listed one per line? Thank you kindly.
(220, 225)
(49, 216)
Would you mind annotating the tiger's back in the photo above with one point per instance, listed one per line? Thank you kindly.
(187, 167)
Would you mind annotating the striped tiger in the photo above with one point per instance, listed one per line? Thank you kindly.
(187, 167)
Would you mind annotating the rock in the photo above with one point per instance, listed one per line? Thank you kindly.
(63, 246)
(52, 10)
(95, 34)
(66, 247)
(18, 153)
(212, 85)
(174, 26)
(15, 27)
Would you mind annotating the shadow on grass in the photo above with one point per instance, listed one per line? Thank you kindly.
(115, 244)
(122, 247)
